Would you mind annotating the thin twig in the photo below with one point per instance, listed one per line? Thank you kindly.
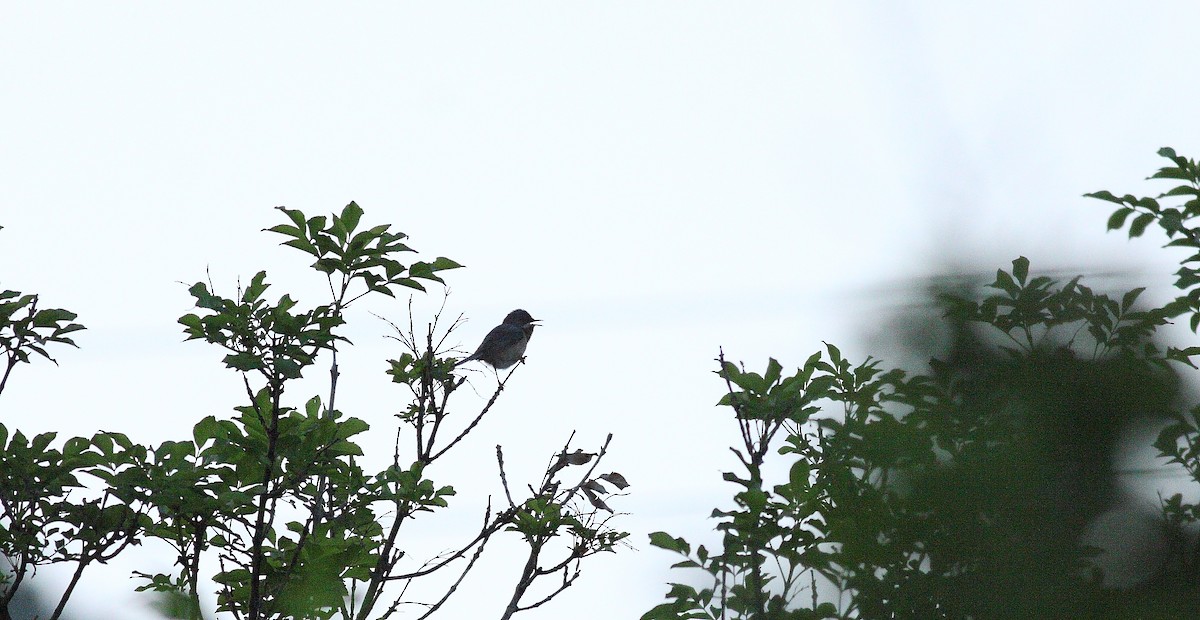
(454, 586)
(474, 422)
(503, 477)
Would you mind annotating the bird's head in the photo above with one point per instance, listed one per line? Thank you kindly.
(519, 317)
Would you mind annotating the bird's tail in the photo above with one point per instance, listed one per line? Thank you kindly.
(470, 358)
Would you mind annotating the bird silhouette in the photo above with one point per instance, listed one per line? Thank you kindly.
(505, 344)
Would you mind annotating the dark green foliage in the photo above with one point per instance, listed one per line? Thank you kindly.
(43, 517)
(1173, 592)
(48, 517)
(25, 329)
(367, 255)
(963, 491)
(1174, 219)
(274, 492)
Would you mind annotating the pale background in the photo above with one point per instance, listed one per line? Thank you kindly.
(654, 180)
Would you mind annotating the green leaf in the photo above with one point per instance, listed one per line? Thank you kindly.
(40, 442)
(1139, 224)
(1183, 355)
(295, 215)
(75, 446)
(1005, 283)
(421, 269)
(1171, 220)
(194, 325)
(1129, 298)
(1183, 190)
(244, 362)
(256, 288)
(316, 225)
(1117, 219)
(351, 214)
(1188, 278)
(102, 441)
(1147, 203)
(1021, 268)
(304, 246)
(1171, 173)
(835, 354)
(352, 426)
(798, 475)
(442, 262)
(205, 429)
(1105, 195)
(52, 316)
(663, 540)
(204, 299)
(774, 369)
(410, 283)
(329, 265)
(284, 229)
(339, 230)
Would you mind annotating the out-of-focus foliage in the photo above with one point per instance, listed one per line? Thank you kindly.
(965, 490)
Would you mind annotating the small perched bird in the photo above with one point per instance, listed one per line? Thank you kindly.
(505, 344)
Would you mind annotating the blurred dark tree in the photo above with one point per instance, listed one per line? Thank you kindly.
(972, 488)
(1025, 440)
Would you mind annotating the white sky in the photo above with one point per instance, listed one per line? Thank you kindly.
(652, 179)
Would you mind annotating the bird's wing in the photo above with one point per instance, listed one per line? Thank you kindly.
(501, 337)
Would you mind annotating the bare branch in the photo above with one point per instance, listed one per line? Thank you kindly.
(475, 422)
(566, 583)
(503, 477)
(454, 586)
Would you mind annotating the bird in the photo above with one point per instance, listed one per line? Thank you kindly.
(505, 344)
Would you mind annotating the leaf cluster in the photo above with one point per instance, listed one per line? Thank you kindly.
(367, 255)
(263, 338)
(25, 329)
(271, 503)
(1174, 211)
(49, 516)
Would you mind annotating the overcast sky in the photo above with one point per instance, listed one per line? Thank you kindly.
(653, 180)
